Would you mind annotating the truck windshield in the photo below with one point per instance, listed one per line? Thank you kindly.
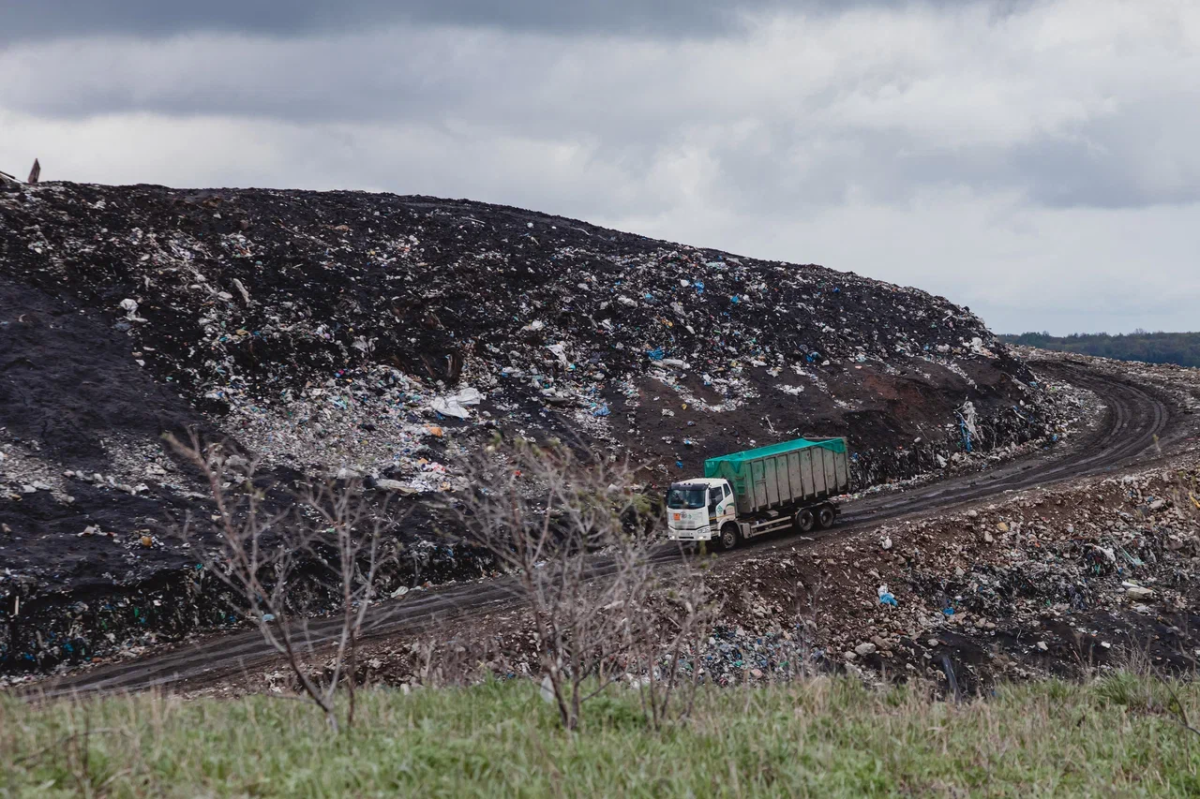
(689, 498)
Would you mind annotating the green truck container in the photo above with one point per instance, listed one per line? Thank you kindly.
(783, 475)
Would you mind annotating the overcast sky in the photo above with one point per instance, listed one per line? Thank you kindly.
(1036, 160)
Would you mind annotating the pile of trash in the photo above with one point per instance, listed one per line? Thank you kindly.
(1048, 582)
(340, 330)
(355, 334)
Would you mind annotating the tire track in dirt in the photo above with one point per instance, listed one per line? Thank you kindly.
(1135, 421)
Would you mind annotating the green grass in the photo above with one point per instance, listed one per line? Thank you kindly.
(818, 738)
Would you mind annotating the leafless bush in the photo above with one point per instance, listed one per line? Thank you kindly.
(667, 632)
(326, 532)
(577, 536)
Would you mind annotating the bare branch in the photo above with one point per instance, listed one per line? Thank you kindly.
(577, 535)
(327, 529)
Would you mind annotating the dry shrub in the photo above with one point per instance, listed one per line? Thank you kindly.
(327, 532)
(580, 538)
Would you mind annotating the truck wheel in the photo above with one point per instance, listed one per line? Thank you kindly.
(825, 516)
(805, 520)
(729, 536)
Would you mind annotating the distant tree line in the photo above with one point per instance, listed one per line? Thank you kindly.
(1178, 348)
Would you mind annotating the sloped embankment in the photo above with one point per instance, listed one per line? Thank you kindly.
(380, 334)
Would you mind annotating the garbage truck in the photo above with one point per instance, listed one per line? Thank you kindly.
(760, 491)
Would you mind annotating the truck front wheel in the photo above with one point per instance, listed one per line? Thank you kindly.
(804, 520)
(825, 516)
(729, 536)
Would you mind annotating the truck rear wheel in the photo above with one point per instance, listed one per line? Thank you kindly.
(805, 520)
(729, 536)
(825, 516)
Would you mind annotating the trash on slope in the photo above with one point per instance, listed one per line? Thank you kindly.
(327, 333)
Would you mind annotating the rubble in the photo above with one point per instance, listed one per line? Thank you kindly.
(1079, 566)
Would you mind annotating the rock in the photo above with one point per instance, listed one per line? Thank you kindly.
(849, 656)
(972, 514)
(1042, 645)
(886, 543)
(932, 642)
(1157, 505)
(1002, 527)
(756, 673)
(987, 537)
(864, 649)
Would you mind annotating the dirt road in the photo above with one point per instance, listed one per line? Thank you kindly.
(1136, 422)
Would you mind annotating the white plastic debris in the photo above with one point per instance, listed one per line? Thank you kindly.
(560, 352)
(130, 306)
(456, 404)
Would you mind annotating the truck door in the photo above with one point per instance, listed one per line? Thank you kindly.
(720, 502)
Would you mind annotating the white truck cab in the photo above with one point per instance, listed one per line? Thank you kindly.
(697, 508)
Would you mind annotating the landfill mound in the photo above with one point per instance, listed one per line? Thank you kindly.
(377, 335)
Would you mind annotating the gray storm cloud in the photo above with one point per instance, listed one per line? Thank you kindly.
(994, 152)
(49, 18)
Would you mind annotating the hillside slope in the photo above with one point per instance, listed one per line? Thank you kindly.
(378, 334)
